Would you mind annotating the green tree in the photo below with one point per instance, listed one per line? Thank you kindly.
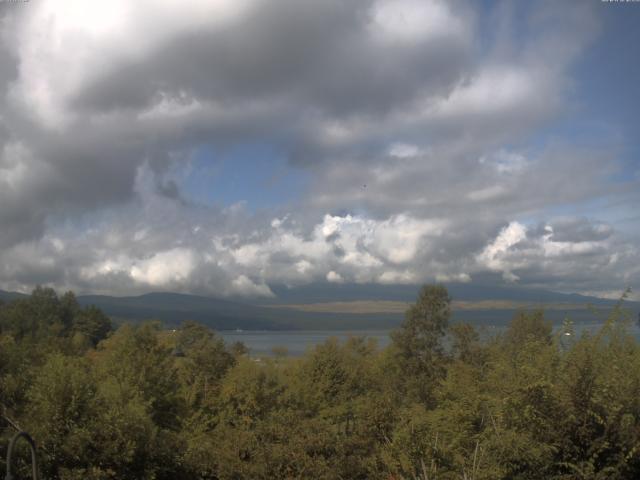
(529, 327)
(203, 360)
(92, 324)
(62, 404)
(418, 342)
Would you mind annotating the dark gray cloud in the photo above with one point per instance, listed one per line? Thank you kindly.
(326, 57)
(579, 230)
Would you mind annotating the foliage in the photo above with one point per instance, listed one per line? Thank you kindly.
(438, 403)
(418, 342)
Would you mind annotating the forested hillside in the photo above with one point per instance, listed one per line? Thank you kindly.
(143, 402)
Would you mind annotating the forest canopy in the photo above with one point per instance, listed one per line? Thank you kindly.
(143, 402)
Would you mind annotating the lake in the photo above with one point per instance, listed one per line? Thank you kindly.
(297, 342)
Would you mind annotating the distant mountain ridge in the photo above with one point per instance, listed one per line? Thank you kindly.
(173, 308)
(332, 292)
(9, 296)
(276, 314)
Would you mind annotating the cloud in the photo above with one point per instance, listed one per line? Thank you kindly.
(419, 124)
(566, 252)
(164, 268)
(578, 229)
(95, 94)
(162, 244)
(244, 286)
(412, 21)
(165, 245)
(497, 254)
(334, 277)
(241, 254)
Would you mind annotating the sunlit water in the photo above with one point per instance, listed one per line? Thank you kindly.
(297, 342)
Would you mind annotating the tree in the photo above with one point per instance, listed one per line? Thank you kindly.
(529, 327)
(203, 362)
(62, 404)
(418, 342)
(466, 343)
(92, 323)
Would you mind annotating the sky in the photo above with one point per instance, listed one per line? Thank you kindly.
(221, 147)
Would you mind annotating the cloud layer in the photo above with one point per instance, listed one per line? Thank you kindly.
(420, 126)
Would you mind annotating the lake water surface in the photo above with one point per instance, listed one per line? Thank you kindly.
(297, 342)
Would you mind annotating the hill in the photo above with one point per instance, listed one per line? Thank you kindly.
(221, 314)
(9, 296)
(471, 292)
(340, 307)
